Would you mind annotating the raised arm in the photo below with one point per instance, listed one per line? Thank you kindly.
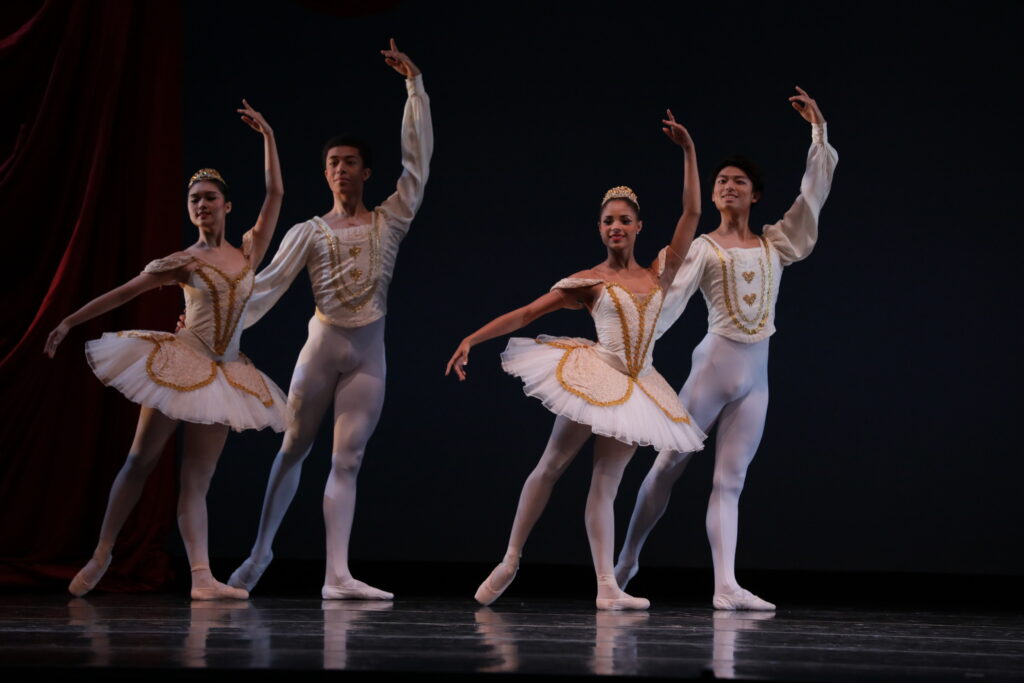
(417, 142)
(686, 226)
(796, 234)
(510, 322)
(118, 296)
(263, 231)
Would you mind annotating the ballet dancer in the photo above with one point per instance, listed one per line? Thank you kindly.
(350, 255)
(738, 272)
(608, 389)
(197, 376)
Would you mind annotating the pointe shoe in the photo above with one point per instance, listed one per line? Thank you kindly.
(249, 573)
(354, 590)
(84, 582)
(489, 591)
(625, 602)
(741, 599)
(219, 591)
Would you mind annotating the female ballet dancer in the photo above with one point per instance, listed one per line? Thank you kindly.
(608, 389)
(738, 272)
(197, 376)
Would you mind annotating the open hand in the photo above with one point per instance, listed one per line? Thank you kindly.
(254, 119)
(55, 338)
(459, 361)
(399, 61)
(676, 132)
(807, 107)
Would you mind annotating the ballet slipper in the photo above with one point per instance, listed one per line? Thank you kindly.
(625, 602)
(741, 599)
(492, 587)
(219, 591)
(88, 576)
(249, 572)
(614, 598)
(353, 589)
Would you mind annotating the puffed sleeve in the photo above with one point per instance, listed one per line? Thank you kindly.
(575, 283)
(272, 282)
(162, 265)
(417, 148)
(794, 236)
(686, 282)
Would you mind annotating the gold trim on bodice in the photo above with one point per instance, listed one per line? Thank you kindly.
(764, 308)
(224, 323)
(359, 292)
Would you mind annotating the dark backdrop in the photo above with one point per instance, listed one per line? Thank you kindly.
(894, 375)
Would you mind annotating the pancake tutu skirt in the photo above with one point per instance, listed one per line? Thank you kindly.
(177, 375)
(572, 378)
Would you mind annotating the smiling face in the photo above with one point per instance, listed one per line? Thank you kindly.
(345, 171)
(733, 190)
(207, 207)
(619, 224)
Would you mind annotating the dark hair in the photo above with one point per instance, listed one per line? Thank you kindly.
(633, 205)
(220, 186)
(365, 153)
(745, 165)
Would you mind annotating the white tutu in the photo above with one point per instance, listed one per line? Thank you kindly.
(572, 379)
(176, 375)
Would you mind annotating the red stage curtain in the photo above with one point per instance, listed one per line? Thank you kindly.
(91, 189)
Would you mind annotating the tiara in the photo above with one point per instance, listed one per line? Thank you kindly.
(620, 192)
(205, 174)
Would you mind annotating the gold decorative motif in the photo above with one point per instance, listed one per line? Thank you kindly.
(729, 272)
(245, 365)
(636, 353)
(205, 174)
(158, 339)
(223, 327)
(749, 276)
(620, 192)
(353, 299)
(569, 349)
(750, 298)
(684, 418)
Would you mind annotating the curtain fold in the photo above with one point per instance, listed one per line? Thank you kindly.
(90, 191)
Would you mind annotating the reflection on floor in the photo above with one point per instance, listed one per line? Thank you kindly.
(108, 635)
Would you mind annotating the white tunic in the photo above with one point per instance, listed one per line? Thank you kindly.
(741, 285)
(350, 268)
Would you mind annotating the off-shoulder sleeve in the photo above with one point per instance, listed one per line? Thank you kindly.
(794, 236)
(273, 281)
(417, 148)
(247, 244)
(162, 265)
(684, 285)
(575, 283)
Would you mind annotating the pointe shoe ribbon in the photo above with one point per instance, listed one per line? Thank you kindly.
(81, 584)
(487, 592)
(741, 599)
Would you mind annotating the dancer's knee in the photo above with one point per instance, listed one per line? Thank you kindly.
(345, 463)
(728, 484)
(139, 465)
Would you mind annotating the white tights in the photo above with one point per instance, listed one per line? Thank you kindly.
(345, 365)
(202, 448)
(728, 382)
(610, 460)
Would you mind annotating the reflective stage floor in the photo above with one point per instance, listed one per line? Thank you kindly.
(164, 636)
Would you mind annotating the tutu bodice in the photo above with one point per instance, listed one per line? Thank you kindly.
(625, 327)
(214, 305)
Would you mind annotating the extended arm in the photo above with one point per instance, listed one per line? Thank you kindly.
(795, 235)
(505, 324)
(686, 226)
(273, 281)
(263, 231)
(417, 143)
(107, 302)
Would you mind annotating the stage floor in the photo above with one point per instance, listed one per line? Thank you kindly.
(113, 636)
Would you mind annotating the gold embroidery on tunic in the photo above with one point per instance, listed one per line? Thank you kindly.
(766, 288)
(351, 299)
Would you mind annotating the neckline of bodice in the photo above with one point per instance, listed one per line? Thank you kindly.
(321, 221)
(237, 277)
(713, 241)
